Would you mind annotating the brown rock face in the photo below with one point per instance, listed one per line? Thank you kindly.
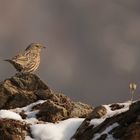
(98, 112)
(12, 130)
(21, 90)
(51, 112)
(25, 88)
(80, 110)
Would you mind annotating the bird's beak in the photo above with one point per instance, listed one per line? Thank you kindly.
(43, 47)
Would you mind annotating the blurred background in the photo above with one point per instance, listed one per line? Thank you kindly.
(93, 47)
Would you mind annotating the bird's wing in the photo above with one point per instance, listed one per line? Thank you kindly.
(20, 59)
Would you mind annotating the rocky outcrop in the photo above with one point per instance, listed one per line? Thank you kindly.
(48, 105)
(82, 132)
(21, 90)
(25, 88)
(127, 129)
(12, 130)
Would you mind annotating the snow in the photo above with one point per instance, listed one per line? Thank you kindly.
(111, 113)
(63, 130)
(28, 138)
(96, 122)
(28, 108)
(9, 115)
(31, 114)
(106, 131)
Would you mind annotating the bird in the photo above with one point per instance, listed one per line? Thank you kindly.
(29, 60)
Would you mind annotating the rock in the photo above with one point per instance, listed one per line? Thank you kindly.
(12, 130)
(59, 107)
(21, 90)
(25, 88)
(98, 112)
(20, 100)
(116, 106)
(80, 110)
(56, 108)
(51, 112)
(132, 132)
(127, 129)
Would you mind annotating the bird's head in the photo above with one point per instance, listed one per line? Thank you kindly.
(35, 46)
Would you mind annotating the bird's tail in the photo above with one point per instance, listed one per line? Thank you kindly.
(8, 60)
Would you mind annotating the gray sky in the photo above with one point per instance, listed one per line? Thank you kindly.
(93, 46)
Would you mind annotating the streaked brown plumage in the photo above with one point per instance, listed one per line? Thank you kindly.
(29, 60)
